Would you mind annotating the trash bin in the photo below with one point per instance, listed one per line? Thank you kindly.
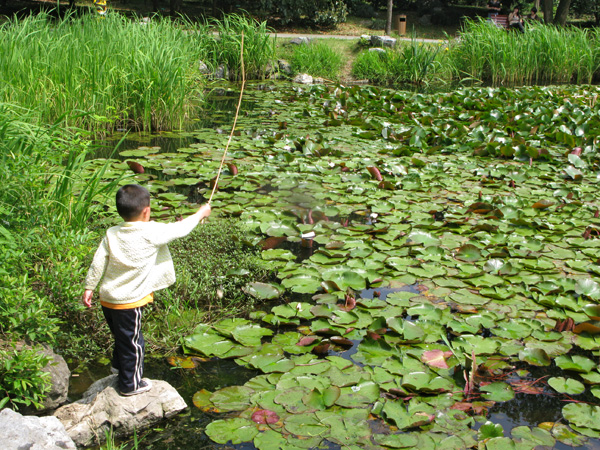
(401, 24)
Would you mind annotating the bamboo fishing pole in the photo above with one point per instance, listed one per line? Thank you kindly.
(237, 113)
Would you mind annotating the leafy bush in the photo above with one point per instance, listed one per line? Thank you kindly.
(213, 266)
(361, 8)
(22, 380)
(414, 63)
(224, 47)
(317, 59)
(319, 13)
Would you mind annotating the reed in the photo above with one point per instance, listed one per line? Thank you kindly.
(100, 74)
(543, 54)
(318, 59)
(414, 62)
(223, 47)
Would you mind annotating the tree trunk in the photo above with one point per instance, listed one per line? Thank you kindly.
(388, 23)
(548, 7)
(562, 12)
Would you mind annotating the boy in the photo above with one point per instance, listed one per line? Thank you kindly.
(133, 261)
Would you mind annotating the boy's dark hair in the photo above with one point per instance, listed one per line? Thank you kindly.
(131, 201)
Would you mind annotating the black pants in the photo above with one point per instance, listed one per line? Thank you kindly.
(128, 354)
(518, 26)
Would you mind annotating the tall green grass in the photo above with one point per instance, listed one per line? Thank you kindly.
(414, 62)
(100, 74)
(318, 59)
(543, 54)
(222, 46)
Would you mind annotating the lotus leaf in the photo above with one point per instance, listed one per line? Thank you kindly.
(490, 430)
(208, 344)
(582, 415)
(403, 440)
(306, 425)
(293, 309)
(346, 430)
(232, 398)
(568, 386)
(535, 356)
(575, 363)
(563, 434)
(358, 395)
(498, 392)
(235, 430)
(272, 440)
(302, 284)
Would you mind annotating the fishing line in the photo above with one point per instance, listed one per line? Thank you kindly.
(237, 113)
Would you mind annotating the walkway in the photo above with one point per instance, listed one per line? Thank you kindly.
(343, 37)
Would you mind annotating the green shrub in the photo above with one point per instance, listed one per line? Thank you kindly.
(317, 59)
(543, 54)
(213, 266)
(224, 47)
(415, 63)
(319, 13)
(100, 75)
(22, 380)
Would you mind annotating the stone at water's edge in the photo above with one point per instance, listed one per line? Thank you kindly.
(303, 78)
(102, 408)
(59, 381)
(19, 432)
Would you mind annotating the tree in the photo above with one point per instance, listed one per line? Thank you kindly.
(562, 12)
(388, 22)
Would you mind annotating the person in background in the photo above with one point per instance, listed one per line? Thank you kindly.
(533, 15)
(494, 8)
(515, 20)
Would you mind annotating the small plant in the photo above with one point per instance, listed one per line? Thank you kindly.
(317, 59)
(213, 266)
(224, 47)
(22, 380)
(414, 63)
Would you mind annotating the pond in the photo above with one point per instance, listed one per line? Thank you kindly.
(436, 258)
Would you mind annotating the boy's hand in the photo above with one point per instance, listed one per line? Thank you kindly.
(204, 211)
(87, 297)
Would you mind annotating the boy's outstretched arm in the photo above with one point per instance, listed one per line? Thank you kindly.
(204, 211)
(87, 297)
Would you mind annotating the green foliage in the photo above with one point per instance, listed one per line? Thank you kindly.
(22, 381)
(543, 54)
(100, 75)
(224, 47)
(213, 266)
(44, 212)
(414, 62)
(317, 59)
(319, 13)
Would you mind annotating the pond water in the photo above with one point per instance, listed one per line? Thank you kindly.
(458, 224)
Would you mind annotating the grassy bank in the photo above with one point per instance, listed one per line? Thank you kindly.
(102, 75)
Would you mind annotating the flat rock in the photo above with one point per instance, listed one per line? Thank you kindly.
(102, 408)
(383, 41)
(299, 40)
(19, 432)
(303, 78)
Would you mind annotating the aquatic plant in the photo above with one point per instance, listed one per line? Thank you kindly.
(224, 47)
(317, 59)
(470, 215)
(544, 54)
(101, 75)
(414, 62)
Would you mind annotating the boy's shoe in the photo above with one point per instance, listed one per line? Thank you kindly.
(145, 386)
(114, 371)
